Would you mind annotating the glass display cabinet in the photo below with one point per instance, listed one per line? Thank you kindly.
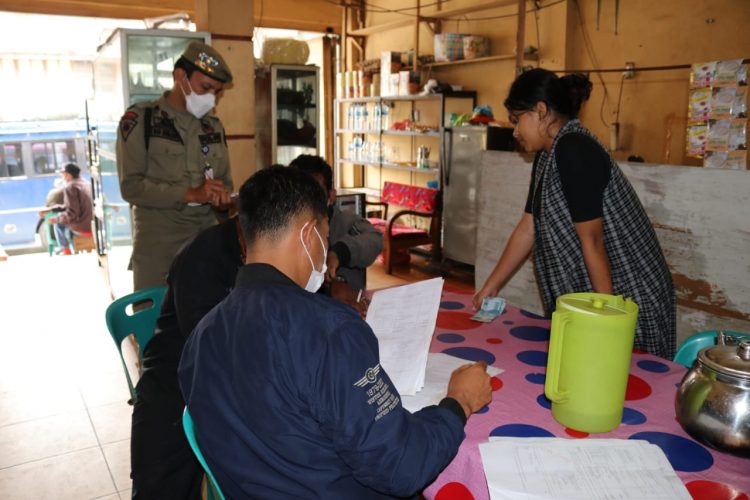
(131, 66)
(288, 112)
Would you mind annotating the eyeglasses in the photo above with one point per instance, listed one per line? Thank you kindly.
(514, 116)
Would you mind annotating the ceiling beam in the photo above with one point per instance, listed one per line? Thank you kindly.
(123, 9)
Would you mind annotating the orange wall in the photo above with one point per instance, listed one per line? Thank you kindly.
(653, 105)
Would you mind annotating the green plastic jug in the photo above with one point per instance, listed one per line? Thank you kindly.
(591, 341)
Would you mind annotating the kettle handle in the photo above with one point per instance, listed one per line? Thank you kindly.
(560, 321)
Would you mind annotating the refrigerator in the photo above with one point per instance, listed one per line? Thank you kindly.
(464, 146)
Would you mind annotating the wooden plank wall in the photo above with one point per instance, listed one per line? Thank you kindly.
(702, 220)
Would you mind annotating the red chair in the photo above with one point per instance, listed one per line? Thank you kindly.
(418, 201)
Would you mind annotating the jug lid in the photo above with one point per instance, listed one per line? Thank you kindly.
(597, 304)
(731, 360)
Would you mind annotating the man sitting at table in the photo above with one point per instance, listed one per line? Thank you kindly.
(354, 243)
(285, 385)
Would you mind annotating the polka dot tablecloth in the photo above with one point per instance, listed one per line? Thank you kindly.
(517, 342)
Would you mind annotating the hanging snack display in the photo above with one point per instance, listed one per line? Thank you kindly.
(717, 111)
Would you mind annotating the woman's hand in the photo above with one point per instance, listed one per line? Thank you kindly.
(480, 295)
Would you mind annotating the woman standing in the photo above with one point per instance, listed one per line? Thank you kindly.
(588, 230)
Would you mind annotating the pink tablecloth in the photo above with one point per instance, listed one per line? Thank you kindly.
(517, 342)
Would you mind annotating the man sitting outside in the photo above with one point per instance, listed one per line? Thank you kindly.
(77, 210)
(285, 385)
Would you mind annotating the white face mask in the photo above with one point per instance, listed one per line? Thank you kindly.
(316, 277)
(198, 105)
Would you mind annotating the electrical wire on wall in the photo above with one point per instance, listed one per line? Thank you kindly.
(402, 11)
(537, 6)
(587, 43)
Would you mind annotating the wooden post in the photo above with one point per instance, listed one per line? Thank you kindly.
(520, 35)
(418, 22)
(329, 93)
(343, 48)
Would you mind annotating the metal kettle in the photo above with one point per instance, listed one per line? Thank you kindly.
(713, 400)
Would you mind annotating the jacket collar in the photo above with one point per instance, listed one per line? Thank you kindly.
(260, 274)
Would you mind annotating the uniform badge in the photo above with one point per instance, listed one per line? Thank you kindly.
(128, 123)
(206, 127)
(204, 149)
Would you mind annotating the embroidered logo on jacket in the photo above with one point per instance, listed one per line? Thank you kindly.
(164, 128)
(127, 123)
(371, 375)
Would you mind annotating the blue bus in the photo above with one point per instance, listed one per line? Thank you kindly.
(31, 155)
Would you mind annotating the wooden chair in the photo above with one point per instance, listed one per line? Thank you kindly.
(422, 202)
(83, 242)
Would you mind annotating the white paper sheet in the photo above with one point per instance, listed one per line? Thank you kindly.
(403, 319)
(556, 468)
(437, 374)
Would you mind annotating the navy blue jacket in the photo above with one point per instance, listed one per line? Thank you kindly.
(289, 400)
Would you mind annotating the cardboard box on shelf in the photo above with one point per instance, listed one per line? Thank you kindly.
(390, 63)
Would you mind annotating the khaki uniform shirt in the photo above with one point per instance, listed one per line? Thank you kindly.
(154, 179)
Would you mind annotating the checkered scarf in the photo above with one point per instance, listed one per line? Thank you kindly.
(637, 263)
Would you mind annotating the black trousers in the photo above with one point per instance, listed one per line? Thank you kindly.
(163, 465)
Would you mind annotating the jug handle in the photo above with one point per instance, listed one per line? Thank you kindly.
(552, 381)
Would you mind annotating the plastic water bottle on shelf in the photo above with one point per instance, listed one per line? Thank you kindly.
(376, 117)
(358, 148)
(365, 117)
(385, 117)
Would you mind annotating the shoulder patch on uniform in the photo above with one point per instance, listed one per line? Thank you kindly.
(128, 123)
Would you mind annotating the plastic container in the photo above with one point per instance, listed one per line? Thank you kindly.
(591, 341)
(285, 51)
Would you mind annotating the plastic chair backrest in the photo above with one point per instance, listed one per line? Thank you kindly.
(139, 322)
(213, 490)
(687, 353)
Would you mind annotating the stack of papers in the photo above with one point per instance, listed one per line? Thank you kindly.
(607, 469)
(437, 374)
(403, 319)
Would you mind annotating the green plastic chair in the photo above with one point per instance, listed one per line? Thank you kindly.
(51, 241)
(687, 353)
(140, 323)
(213, 492)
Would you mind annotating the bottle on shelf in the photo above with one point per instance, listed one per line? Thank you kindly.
(376, 116)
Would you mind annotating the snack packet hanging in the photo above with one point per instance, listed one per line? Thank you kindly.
(727, 73)
(700, 103)
(702, 74)
(696, 138)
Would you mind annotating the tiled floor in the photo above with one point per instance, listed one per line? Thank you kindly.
(64, 420)
(64, 417)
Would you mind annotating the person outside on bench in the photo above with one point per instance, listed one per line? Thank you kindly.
(76, 211)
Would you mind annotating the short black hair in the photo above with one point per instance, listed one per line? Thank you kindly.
(311, 164)
(72, 169)
(273, 197)
(563, 95)
(186, 66)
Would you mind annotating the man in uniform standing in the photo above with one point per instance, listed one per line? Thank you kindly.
(173, 163)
